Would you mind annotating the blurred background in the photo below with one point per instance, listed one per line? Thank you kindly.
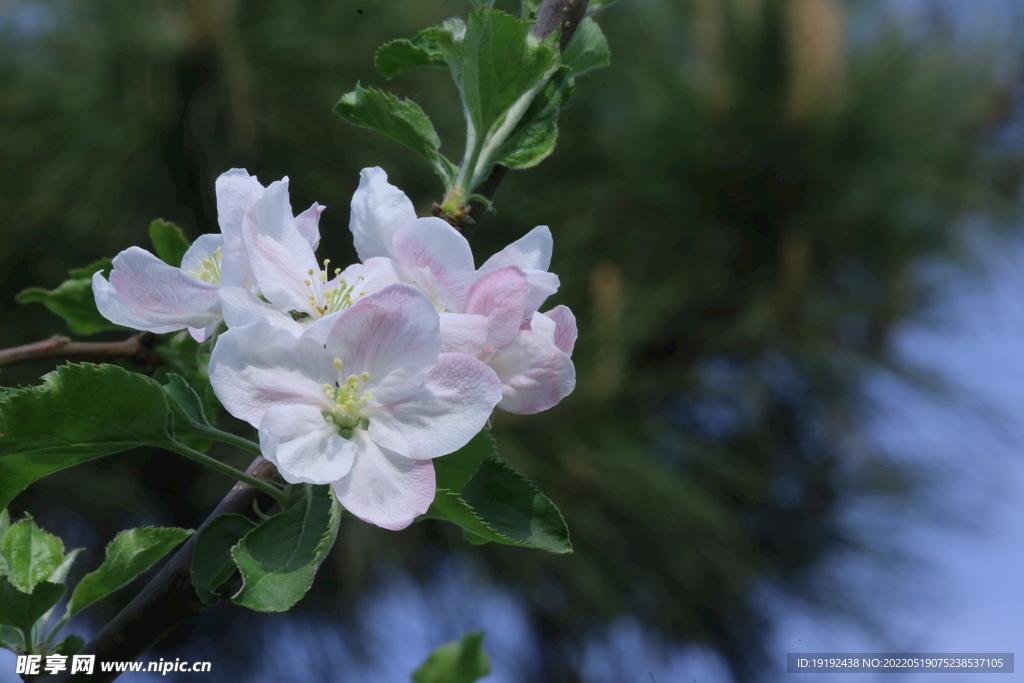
(791, 233)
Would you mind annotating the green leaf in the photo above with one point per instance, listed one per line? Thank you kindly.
(503, 64)
(183, 355)
(397, 56)
(492, 502)
(190, 423)
(477, 4)
(185, 403)
(530, 9)
(535, 135)
(454, 471)
(132, 552)
(587, 49)
(5, 525)
(279, 558)
(401, 120)
(103, 265)
(461, 661)
(450, 506)
(22, 610)
(32, 555)
(169, 242)
(73, 300)
(11, 639)
(81, 412)
(71, 645)
(212, 565)
(61, 572)
(514, 508)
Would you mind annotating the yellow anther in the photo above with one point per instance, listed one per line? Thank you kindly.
(309, 272)
(338, 364)
(365, 376)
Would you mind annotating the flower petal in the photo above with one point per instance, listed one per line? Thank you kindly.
(437, 259)
(442, 416)
(370, 277)
(241, 308)
(236, 192)
(114, 309)
(281, 258)
(501, 296)
(534, 374)
(384, 488)
(308, 224)
(394, 335)
(201, 249)
(159, 294)
(378, 209)
(305, 448)
(463, 333)
(258, 366)
(530, 252)
(565, 328)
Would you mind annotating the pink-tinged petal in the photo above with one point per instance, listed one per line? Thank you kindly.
(161, 294)
(442, 416)
(308, 225)
(437, 259)
(530, 252)
(305, 448)
(394, 335)
(236, 192)
(281, 258)
(201, 249)
(534, 374)
(201, 334)
(241, 308)
(258, 366)
(378, 209)
(542, 285)
(117, 311)
(463, 333)
(370, 277)
(501, 296)
(565, 328)
(384, 488)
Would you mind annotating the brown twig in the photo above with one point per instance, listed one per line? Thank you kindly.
(169, 599)
(553, 14)
(137, 348)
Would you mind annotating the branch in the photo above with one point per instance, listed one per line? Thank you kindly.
(169, 599)
(553, 14)
(137, 348)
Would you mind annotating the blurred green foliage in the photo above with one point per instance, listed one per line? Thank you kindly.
(738, 205)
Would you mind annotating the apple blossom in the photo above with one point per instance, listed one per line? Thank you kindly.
(490, 313)
(363, 406)
(432, 254)
(145, 293)
(296, 291)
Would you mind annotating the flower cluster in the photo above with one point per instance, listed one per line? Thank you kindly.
(356, 377)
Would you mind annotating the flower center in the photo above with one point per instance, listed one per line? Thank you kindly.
(349, 401)
(334, 299)
(209, 268)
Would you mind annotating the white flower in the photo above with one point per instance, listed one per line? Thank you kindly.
(432, 254)
(364, 407)
(297, 292)
(490, 313)
(147, 294)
